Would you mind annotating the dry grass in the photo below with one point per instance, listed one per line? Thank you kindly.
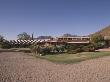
(74, 58)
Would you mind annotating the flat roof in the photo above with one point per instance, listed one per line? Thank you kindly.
(76, 37)
(79, 42)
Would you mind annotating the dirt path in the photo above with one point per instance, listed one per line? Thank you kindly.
(19, 67)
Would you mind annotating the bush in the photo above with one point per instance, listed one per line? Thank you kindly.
(88, 48)
(58, 49)
(100, 45)
(35, 49)
(72, 52)
(97, 38)
(71, 46)
(79, 50)
(5, 44)
(45, 51)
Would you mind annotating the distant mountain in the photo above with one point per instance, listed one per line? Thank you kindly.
(69, 35)
(104, 32)
(44, 37)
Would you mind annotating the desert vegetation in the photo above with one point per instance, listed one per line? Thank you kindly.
(48, 51)
(74, 58)
(35, 66)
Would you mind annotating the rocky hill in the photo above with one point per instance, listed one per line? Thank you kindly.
(104, 32)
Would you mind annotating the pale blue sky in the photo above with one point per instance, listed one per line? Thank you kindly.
(53, 17)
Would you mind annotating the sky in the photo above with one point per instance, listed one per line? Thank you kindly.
(53, 17)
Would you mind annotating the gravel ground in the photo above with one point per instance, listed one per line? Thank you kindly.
(19, 67)
(104, 49)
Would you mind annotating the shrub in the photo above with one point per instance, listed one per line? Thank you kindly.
(74, 51)
(45, 51)
(58, 49)
(79, 50)
(35, 49)
(71, 46)
(88, 48)
(97, 38)
(5, 44)
(100, 45)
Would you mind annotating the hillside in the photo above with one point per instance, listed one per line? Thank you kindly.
(104, 32)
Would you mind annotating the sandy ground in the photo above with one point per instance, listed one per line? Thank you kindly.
(105, 49)
(19, 67)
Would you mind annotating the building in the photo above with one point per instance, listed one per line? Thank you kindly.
(75, 40)
(55, 41)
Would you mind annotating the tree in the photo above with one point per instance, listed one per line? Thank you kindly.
(97, 38)
(1, 38)
(1, 41)
(99, 41)
(107, 40)
(24, 36)
(5, 44)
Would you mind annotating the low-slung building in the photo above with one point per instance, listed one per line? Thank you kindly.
(58, 40)
(75, 40)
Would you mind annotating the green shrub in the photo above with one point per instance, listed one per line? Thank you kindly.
(88, 48)
(72, 52)
(79, 50)
(35, 49)
(45, 51)
(71, 46)
(97, 38)
(5, 44)
(58, 49)
(100, 45)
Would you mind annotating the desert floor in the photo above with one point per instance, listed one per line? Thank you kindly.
(20, 67)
